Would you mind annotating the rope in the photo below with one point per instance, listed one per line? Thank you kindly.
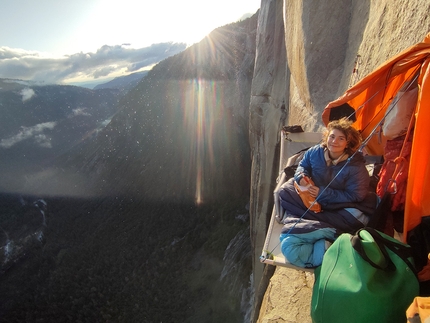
(354, 76)
(400, 160)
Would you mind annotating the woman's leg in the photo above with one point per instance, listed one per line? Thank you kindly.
(303, 241)
(290, 200)
(340, 219)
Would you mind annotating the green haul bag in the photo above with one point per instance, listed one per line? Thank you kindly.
(364, 278)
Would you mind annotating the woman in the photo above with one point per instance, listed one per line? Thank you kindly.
(341, 187)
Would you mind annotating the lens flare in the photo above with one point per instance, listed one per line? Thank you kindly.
(202, 109)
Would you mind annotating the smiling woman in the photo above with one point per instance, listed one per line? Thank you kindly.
(340, 185)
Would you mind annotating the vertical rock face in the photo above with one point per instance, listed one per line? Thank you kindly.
(269, 95)
(316, 36)
(306, 53)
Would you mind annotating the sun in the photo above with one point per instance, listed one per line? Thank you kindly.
(144, 23)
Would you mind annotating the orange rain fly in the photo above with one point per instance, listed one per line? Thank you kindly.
(369, 99)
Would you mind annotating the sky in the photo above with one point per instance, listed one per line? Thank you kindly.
(64, 41)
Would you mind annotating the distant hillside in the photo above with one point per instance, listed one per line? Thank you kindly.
(123, 83)
(182, 132)
(40, 122)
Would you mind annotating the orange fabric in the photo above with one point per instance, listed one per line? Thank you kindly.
(421, 307)
(370, 98)
(417, 197)
(307, 199)
(424, 274)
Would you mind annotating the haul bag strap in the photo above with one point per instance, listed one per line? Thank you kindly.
(384, 263)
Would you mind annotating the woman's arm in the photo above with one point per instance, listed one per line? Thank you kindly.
(356, 185)
(304, 169)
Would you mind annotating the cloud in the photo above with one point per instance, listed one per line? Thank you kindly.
(104, 71)
(43, 140)
(107, 60)
(80, 112)
(35, 132)
(27, 94)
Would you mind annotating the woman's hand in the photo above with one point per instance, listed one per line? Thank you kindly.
(304, 181)
(313, 190)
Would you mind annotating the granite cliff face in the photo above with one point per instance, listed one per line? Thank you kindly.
(305, 56)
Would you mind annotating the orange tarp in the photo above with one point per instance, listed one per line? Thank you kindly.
(370, 98)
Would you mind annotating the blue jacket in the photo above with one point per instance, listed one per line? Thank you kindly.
(350, 185)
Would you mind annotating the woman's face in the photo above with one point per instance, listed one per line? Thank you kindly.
(336, 142)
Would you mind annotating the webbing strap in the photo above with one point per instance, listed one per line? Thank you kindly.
(400, 161)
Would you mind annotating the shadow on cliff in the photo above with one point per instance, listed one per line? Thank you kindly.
(331, 45)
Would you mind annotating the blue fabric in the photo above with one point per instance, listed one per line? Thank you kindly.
(303, 242)
(341, 220)
(301, 252)
(360, 216)
(350, 185)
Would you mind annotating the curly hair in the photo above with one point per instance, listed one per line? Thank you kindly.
(353, 136)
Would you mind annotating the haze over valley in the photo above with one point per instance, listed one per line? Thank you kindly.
(129, 202)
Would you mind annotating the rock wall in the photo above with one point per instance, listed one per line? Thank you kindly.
(306, 53)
